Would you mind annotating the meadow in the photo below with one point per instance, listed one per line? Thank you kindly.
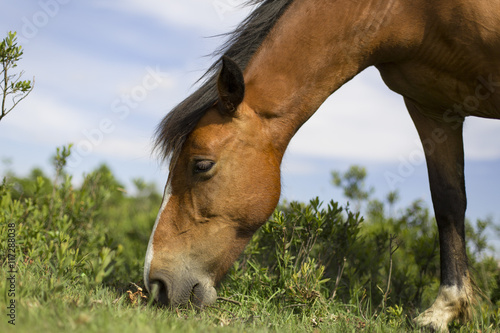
(72, 259)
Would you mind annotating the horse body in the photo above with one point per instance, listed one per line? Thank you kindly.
(224, 180)
(454, 68)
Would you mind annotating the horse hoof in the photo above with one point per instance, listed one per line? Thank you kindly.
(429, 322)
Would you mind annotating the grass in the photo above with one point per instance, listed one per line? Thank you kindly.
(106, 310)
(102, 308)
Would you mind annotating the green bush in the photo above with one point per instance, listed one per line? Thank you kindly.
(57, 230)
(289, 256)
(67, 236)
(321, 263)
(307, 255)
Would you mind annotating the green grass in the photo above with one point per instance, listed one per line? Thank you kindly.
(79, 254)
(105, 310)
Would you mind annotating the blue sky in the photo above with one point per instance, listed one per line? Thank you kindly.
(107, 71)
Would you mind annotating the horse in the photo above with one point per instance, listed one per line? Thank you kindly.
(226, 141)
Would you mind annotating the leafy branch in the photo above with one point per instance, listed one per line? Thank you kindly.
(11, 84)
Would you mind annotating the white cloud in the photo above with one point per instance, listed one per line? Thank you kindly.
(297, 165)
(208, 16)
(482, 138)
(367, 122)
(133, 147)
(361, 121)
(43, 119)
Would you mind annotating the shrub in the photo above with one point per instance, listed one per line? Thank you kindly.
(307, 255)
(67, 236)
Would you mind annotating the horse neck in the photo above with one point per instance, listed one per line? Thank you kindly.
(315, 48)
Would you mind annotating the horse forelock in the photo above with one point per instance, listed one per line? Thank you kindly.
(241, 45)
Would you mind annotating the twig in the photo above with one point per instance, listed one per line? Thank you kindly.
(337, 281)
(136, 286)
(228, 300)
(293, 306)
(24, 94)
(391, 252)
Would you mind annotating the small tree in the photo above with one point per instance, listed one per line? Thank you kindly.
(11, 84)
(353, 183)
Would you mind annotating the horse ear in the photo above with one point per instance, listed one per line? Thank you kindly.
(231, 86)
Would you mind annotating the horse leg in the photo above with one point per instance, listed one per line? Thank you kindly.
(443, 148)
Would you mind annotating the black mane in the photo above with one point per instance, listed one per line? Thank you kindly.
(241, 45)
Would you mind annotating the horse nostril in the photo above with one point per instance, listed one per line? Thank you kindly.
(159, 291)
(203, 294)
(195, 295)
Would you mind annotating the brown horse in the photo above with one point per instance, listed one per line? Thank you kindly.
(226, 141)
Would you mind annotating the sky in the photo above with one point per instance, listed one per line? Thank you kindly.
(106, 72)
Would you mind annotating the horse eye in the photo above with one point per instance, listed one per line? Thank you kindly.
(203, 166)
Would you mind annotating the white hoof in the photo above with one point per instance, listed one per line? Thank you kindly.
(451, 303)
(431, 320)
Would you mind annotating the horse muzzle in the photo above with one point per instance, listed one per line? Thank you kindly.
(171, 292)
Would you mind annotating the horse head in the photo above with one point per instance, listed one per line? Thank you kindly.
(223, 185)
